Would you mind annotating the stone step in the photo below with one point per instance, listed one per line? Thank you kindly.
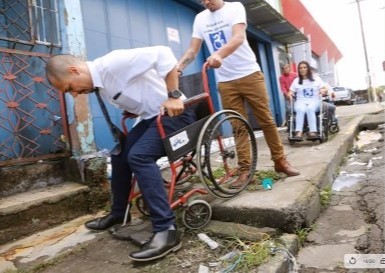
(25, 213)
(45, 245)
(21, 178)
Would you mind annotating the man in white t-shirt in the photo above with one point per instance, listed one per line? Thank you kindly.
(222, 26)
(142, 81)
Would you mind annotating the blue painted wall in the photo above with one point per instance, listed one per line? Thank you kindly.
(115, 24)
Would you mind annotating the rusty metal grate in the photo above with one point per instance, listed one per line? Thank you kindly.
(30, 22)
(32, 114)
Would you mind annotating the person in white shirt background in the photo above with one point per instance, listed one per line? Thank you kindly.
(328, 103)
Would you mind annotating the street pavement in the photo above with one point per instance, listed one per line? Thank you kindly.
(352, 223)
(292, 203)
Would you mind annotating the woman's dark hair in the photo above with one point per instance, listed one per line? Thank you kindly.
(309, 73)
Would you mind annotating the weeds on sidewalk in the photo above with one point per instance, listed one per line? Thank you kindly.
(325, 196)
(303, 233)
(267, 174)
(259, 176)
(249, 254)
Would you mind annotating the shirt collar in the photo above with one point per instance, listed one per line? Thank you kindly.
(96, 80)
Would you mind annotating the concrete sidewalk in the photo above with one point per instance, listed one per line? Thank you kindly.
(294, 201)
(291, 204)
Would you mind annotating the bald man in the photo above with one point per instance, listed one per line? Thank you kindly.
(142, 81)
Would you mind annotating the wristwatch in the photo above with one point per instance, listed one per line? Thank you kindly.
(174, 94)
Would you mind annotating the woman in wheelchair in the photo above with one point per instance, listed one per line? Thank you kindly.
(306, 90)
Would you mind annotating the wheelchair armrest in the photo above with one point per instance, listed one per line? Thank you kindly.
(204, 105)
(187, 102)
(193, 100)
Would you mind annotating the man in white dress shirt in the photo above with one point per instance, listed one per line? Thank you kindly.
(142, 81)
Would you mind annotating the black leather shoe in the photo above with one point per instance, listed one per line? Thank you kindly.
(160, 244)
(105, 222)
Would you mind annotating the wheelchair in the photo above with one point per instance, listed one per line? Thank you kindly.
(323, 124)
(205, 152)
(333, 125)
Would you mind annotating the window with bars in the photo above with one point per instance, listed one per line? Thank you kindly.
(30, 22)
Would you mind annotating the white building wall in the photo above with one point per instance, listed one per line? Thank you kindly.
(276, 4)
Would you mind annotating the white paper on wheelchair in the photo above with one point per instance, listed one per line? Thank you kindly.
(179, 140)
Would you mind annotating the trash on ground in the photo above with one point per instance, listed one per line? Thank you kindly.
(347, 180)
(357, 163)
(267, 183)
(210, 242)
(229, 255)
(203, 269)
(367, 137)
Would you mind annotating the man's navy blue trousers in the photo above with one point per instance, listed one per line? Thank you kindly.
(143, 147)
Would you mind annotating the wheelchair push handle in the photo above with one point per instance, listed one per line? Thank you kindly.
(205, 96)
(187, 102)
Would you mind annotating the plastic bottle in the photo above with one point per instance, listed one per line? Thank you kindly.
(211, 243)
(229, 255)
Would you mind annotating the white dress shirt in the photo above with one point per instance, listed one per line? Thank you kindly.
(133, 79)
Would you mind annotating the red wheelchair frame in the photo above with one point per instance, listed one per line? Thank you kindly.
(198, 213)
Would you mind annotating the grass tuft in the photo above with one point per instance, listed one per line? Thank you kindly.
(325, 196)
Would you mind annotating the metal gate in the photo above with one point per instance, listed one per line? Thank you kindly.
(32, 113)
(33, 123)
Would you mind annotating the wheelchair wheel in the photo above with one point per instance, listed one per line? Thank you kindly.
(197, 215)
(142, 207)
(324, 136)
(334, 128)
(223, 136)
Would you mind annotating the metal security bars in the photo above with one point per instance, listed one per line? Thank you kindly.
(33, 122)
(30, 22)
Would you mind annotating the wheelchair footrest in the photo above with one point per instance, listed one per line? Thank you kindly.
(137, 232)
(140, 237)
